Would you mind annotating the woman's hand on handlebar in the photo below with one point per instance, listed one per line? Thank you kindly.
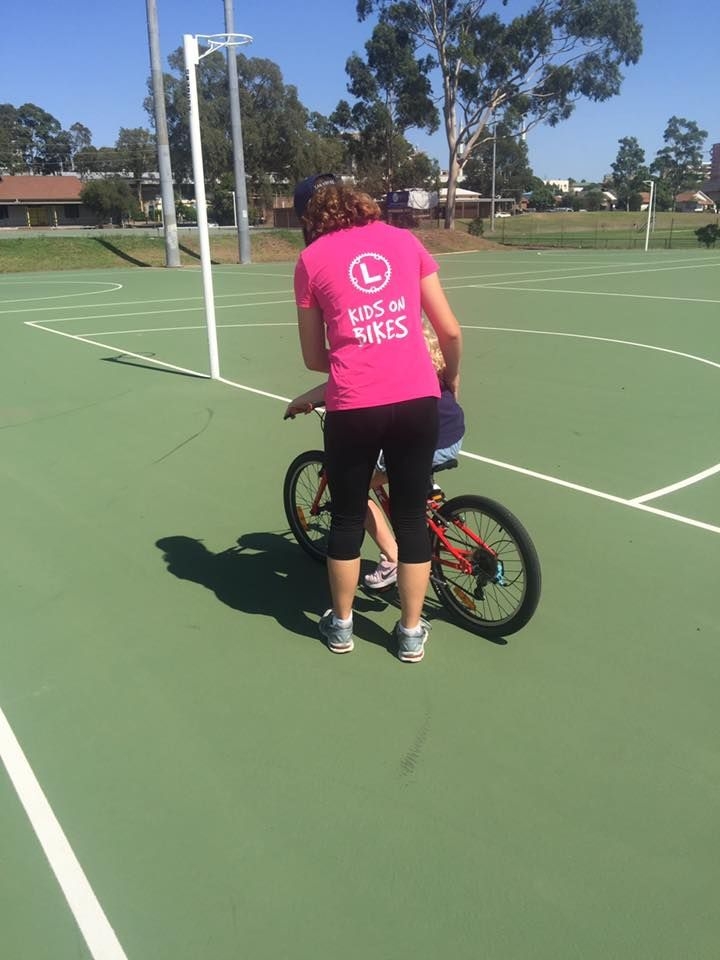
(297, 406)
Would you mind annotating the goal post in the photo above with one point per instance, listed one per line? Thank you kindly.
(193, 57)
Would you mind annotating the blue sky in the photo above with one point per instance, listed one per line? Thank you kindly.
(88, 62)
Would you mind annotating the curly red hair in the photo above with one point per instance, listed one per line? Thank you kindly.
(336, 207)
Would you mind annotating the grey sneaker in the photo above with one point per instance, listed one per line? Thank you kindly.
(339, 639)
(411, 648)
(384, 574)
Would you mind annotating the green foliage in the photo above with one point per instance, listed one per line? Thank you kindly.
(629, 171)
(679, 163)
(709, 234)
(542, 196)
(111, 200)
(513, 175)
(393, 93)
(476, 227)
(530, 69)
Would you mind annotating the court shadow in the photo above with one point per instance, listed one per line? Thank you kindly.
(123, 359)
(265, 574)
(194, 254)
(120, 253)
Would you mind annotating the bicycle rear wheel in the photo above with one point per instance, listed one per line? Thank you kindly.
(306, 499)
(499, 589)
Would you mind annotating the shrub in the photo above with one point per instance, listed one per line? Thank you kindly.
(709, 234)
(476, 227)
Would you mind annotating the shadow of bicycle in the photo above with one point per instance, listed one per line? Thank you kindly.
(269, 575)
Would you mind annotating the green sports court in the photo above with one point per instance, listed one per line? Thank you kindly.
(190, 775)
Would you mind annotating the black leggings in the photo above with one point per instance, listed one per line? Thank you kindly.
(407, 434)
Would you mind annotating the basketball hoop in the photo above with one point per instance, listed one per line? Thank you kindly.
(218, 41)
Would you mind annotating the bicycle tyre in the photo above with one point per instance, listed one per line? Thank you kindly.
(300, 489)
(492, 608)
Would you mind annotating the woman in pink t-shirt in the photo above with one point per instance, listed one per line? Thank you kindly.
(361, 287)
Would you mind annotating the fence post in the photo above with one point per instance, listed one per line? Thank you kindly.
(672, 223)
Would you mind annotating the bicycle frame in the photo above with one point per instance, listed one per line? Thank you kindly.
(437, 525)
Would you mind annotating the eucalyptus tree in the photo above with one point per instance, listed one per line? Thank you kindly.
(629, 171)
(513, 175)
(282, 140)
(530, 69)
(138, 152)
(393, 94)
(679, 163)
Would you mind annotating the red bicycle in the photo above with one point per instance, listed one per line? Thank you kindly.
(485, 568)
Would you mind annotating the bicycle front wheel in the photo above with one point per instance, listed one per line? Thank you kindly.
(306, 499)
(488, 573)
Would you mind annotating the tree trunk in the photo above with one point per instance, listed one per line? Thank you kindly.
(451, 190)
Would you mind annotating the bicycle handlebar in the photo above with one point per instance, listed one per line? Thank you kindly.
(313, 406)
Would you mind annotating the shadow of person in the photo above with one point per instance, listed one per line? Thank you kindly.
(265, 574)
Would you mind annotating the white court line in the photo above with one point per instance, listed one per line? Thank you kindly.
(586, 336)
(671, 488)
(127, 303)
(610, 273)
(634, 504)
(95, 927)
(194, 326)
(113, 288)
(144, 313)
(585, 293)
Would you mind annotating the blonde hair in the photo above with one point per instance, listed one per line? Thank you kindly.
(335, 207)
(433, 345)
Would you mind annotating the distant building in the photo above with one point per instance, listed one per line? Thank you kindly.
(711, 187)
(562, 186)
(29, 201)
(694, 201)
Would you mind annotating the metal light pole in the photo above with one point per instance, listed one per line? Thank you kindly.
(172, 250)
(241, 205)
(649, 213)
(494, 160)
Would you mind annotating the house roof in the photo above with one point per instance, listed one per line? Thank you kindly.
(26, 189)
(696, 195)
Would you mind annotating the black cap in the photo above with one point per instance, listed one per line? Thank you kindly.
(307, 187)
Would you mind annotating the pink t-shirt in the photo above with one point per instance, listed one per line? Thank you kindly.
(366, 282)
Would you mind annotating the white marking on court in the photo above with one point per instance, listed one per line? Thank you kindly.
(111, 288)
(95, 927)
(144, 313)
(671, 488)
(587, 293)
(132, 303)
(634, 504)
(688, 481)
(159, 363)
(585, 336)
(195, 326)
(497, 278)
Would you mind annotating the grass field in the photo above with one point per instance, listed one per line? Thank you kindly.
(65, 250)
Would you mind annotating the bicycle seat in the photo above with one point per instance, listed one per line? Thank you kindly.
(448, 465)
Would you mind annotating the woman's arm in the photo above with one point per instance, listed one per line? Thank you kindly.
(444, 323)
(312, 339)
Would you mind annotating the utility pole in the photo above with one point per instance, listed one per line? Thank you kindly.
(172, 250)
(492, 190)
(240, 197)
